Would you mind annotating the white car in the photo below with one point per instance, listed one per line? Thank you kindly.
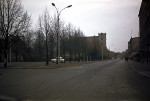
(61, 60)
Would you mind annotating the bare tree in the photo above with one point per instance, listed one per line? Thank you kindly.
(39, 43)
(45, 28)
(28, 39)
(46, 31)
(13, 21)
(70, 33)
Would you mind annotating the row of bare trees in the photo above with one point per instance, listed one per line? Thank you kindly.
(19, 42)
(72, 40)
(14, 21)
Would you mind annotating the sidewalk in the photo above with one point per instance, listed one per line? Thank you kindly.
(41, 65)
(141, 68)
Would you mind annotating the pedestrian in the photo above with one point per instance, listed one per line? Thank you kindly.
(126, 58)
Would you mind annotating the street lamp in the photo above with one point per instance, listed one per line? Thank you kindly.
(58, 33)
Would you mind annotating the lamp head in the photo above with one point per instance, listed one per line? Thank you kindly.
(69, 6)
(53, 4)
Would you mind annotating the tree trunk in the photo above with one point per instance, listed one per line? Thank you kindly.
(64, 55)
(5, 52)
(52, 51)
(85, 56)
(82, 56)
(46, 51)
(70, 57)
(79, 57)
(16, 56)
(5, 59)
(75, 56)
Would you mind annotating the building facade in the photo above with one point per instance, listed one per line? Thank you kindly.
(134, 45)
(101, 38)
(134, 49)
(144, 28)
(98, 44)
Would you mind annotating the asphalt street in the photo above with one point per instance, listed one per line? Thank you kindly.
(112, 80)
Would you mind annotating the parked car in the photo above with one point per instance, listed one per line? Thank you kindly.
(55, 59)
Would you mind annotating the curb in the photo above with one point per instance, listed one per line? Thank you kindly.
(31, 68)
(6, 98)
(141, 73)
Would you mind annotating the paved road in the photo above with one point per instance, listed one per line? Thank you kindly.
(101, 81)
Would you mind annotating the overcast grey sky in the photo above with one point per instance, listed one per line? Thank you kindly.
(115, 17)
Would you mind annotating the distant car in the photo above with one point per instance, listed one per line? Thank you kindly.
(53, 60)
(61, 60)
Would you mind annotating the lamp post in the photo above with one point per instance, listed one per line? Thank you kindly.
(102, 51)
(58, 31)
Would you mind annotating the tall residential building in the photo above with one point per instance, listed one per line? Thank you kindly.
(144, 28)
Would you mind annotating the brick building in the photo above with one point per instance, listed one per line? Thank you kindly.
(144, 28)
